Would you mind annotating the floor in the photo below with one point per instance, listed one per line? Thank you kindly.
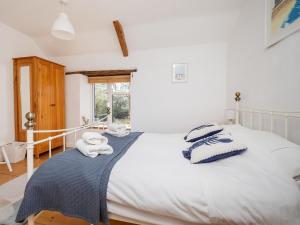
(45, 218)
(21, 167)
(54, 218)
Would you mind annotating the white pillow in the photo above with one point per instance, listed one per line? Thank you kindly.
(289, 159)
(272, 141)
(286, 153)
(202, 131)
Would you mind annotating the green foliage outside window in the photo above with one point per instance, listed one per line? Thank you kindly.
(120, 102)
(120, 109)
(100, 100)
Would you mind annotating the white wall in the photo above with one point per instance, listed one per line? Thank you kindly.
(157, 104)
(72, 95)
(266, 78)
(86, 98)
(12, 44)
(78, 95)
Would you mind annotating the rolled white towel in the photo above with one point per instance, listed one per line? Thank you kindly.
(118, 133)
(93, 150)
(94, 138)
(117, 127)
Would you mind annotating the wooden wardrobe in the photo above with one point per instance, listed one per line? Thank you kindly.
(39, 86)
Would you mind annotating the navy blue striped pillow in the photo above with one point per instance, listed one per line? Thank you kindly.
(202, 131)
(213, 148)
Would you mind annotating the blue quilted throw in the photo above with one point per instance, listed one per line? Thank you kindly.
(74, 184)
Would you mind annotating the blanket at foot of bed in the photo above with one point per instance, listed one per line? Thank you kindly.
(74, 184)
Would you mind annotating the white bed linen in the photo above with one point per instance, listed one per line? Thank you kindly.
(136, 216)
(154, 178)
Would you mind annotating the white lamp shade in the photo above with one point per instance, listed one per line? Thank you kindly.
(62, 28)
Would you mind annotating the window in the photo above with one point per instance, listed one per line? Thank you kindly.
(113, 97)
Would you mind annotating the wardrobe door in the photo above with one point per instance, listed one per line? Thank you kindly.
(59, 72)
(46, 103)
(59, 79)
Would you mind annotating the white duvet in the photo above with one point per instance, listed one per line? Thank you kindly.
(153, 177)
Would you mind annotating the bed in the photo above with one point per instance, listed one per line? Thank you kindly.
(246, 189)
(153, 184)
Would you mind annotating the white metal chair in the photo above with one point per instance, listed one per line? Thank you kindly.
(6, 160)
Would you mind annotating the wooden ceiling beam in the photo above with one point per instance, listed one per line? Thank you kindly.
(121, 37)
(93, 73)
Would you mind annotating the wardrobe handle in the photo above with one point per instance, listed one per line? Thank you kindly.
(52, 105)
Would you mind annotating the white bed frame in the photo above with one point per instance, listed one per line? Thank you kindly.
(251, 112)
(239, 112)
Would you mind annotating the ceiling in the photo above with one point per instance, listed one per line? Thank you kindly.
(147, 23)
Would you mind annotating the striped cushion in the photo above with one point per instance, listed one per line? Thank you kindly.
(202, 131)
(213, 148)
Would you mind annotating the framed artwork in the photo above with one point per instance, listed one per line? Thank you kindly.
(282, 19)
(179, 74)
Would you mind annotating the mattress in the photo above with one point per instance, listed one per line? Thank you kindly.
(154, 184)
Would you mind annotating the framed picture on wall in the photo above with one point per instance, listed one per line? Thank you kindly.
(179, 74)
(282, 19)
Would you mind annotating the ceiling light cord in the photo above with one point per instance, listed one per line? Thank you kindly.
(63, 5)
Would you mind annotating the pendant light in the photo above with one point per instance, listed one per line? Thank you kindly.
(62, 27)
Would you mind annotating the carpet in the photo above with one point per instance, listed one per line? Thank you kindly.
(11, 194)
(12, 211)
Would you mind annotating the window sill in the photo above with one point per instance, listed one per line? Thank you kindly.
(105, 127)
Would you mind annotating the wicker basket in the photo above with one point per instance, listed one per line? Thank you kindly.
(15, 152)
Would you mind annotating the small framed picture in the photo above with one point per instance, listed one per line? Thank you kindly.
(179, 73)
